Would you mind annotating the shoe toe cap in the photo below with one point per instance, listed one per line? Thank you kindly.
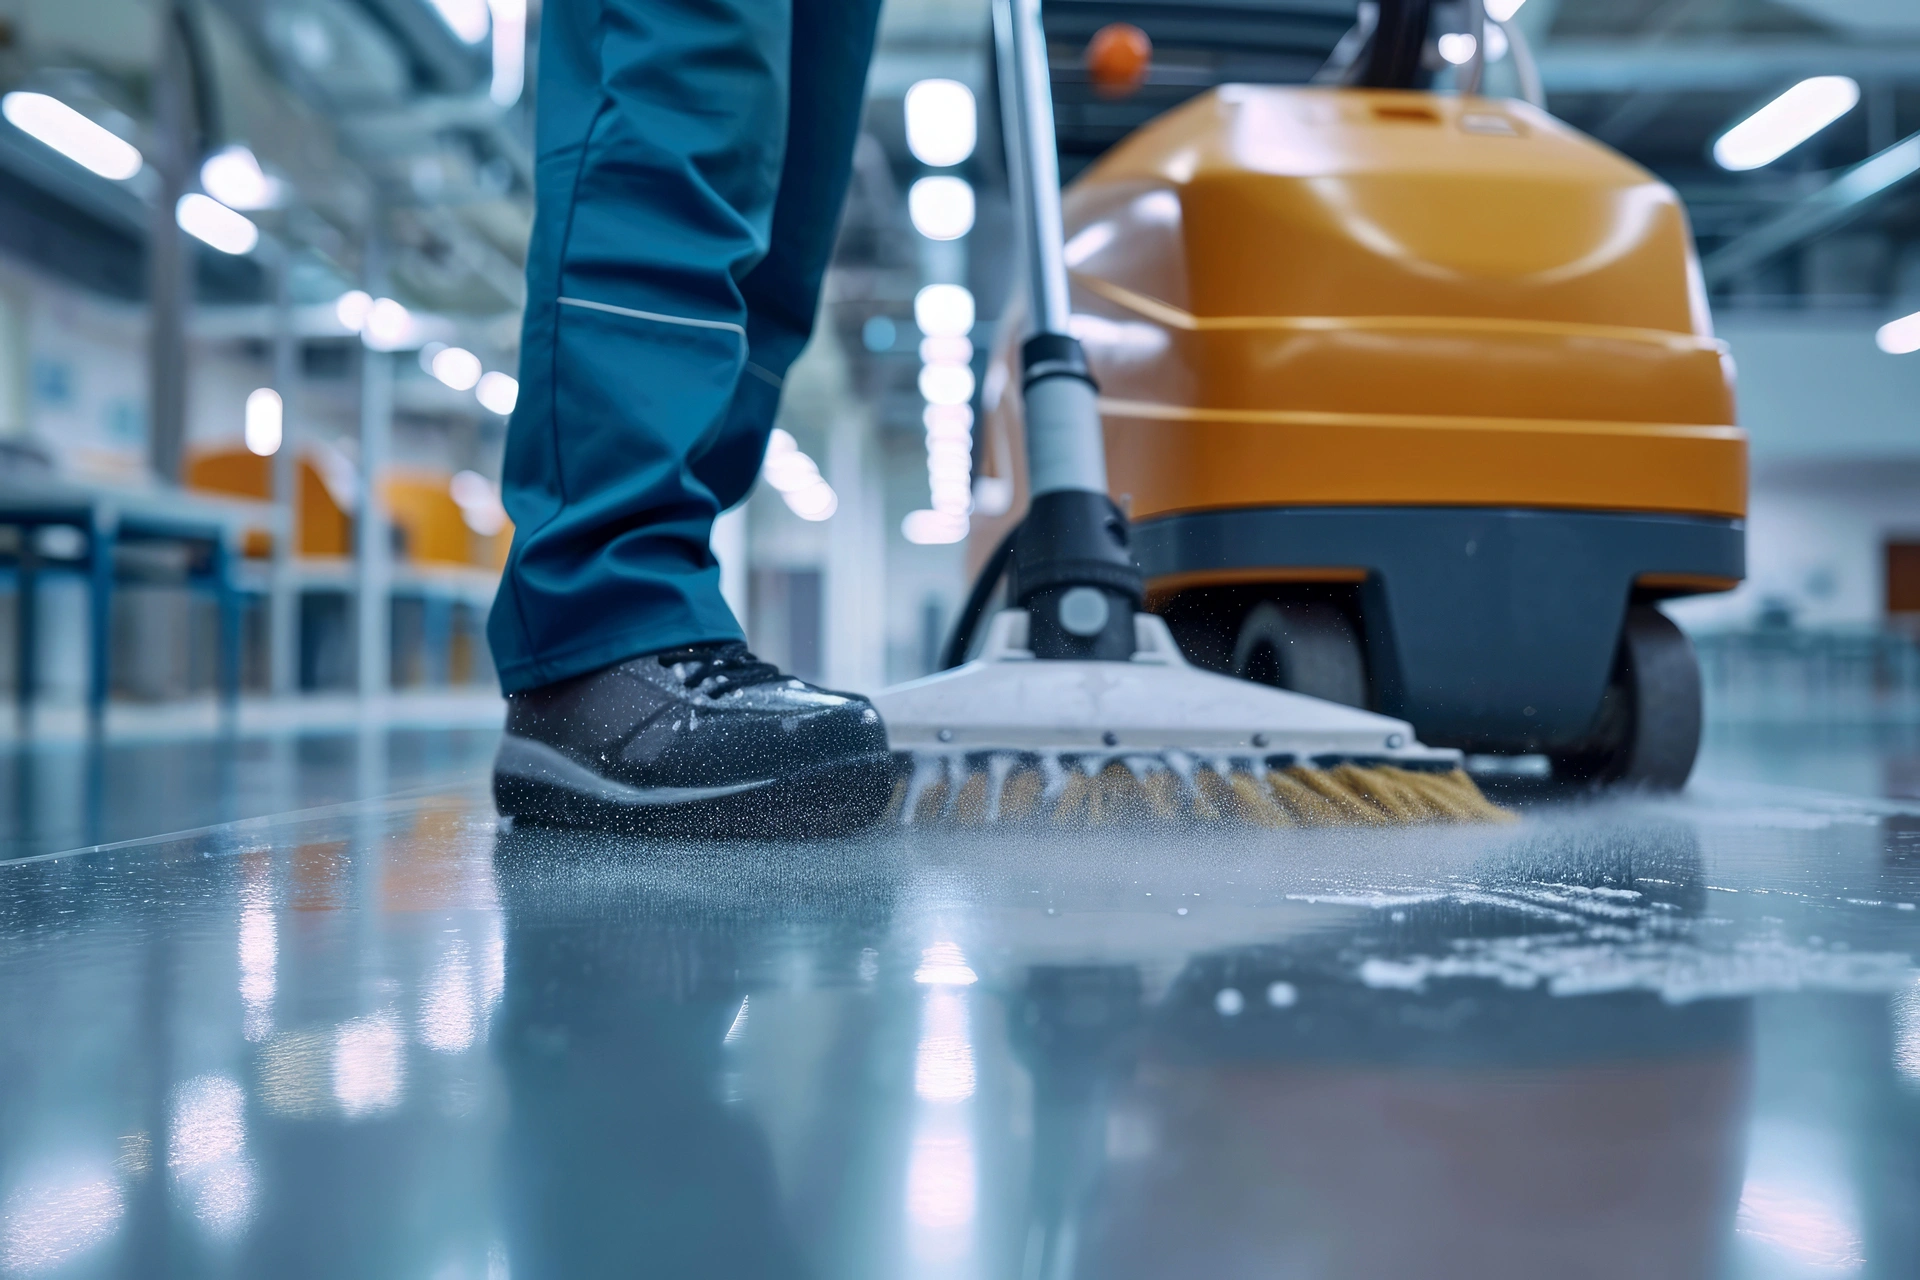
(721, 744)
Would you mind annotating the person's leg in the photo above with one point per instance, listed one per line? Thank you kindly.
(661, 136)
(831, 47)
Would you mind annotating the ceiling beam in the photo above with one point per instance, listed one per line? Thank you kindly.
(1687, 63)
(1817, 213)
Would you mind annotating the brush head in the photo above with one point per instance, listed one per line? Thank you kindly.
(1012, 738)
(1008, 700)
(1067, 789)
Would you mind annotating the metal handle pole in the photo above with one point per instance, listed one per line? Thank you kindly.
(1012, 130)
(1071, 570)
(1033, 85)
(1474, 74)
(1065, 450)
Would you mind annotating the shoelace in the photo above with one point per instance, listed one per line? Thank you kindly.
(715, 669)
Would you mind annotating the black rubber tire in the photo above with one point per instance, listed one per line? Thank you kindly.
(1307, 646)
(1649, 728)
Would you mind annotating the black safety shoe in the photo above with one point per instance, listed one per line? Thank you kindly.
(704, 740)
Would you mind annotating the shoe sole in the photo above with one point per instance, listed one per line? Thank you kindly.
(534, 783)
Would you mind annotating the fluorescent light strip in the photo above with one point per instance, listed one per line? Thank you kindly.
(1786, 122)
(87, 144)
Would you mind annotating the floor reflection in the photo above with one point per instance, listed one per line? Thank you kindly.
(642, 1002)
(1622, 1039)
(61, 795)
(1325, 1128)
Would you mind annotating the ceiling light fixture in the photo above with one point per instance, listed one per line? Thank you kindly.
(1899, 337)
(389, 326)
(456, 367)
(1786, 122)
(232, 175)
(498, 392)
(942, 124)
(797, 479)
(941, 207)
(351, 308)
(264, 422)
(210, 222)
(933, 528)
(1457, 47)
(944, 311)
(89, 145)
(479, 503)
(946, 383)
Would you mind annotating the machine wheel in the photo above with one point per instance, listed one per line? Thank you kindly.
(1307, 646)
(1649, 728)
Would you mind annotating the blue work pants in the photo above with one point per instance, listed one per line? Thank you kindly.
(692, 159)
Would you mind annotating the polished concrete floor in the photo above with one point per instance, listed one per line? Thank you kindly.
(341, 1023)
(68, 794)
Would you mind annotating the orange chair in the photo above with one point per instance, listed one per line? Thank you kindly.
(419, 503)
(324, 528)
(435, 531)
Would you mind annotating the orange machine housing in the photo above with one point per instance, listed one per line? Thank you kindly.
(1415, 310)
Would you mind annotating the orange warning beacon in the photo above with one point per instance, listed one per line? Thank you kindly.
(1118, 58)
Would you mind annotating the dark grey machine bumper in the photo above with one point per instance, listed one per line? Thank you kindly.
(1490, 629)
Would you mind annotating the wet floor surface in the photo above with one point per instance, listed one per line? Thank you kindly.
(390, 1038)
(57, 796)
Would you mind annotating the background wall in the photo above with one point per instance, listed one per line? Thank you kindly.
(1835, 426)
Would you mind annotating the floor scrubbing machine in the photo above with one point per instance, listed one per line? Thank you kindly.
(1414, 403)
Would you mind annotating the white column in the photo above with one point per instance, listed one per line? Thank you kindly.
(856, 568)
(283, 599)
(729, 543)
(373, 546)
